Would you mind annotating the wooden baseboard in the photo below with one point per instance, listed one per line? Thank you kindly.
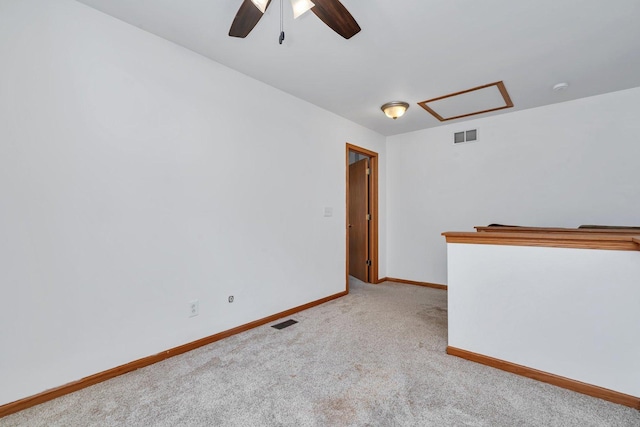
(580, 387)
(412, 282)
(51, 394)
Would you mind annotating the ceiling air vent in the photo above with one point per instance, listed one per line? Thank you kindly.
(465, 136)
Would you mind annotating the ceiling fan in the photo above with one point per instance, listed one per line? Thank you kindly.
(331, 12)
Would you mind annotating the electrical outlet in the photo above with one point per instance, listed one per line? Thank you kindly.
(194, 308)
(231, 298)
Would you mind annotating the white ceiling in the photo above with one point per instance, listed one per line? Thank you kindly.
(413, 50)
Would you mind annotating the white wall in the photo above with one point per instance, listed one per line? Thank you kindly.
(136, 176)
(569, 312)
(562, 165)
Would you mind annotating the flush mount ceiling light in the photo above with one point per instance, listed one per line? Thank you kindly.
(394, 109)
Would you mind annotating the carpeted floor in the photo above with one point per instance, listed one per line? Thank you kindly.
(375, 357)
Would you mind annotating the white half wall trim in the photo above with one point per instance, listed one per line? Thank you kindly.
(137, 176)
(565, 311)
(561, 165)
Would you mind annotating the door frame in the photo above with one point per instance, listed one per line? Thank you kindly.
(373, 204)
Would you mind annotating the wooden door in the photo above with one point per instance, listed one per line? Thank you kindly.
(358, 220)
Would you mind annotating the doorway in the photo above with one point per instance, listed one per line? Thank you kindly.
(362, 214)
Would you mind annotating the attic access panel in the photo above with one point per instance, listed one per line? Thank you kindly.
(477, 100)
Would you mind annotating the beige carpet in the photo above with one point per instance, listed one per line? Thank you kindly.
(375, 357)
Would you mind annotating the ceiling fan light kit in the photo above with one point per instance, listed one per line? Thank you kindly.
(300, 7)
(395, 109)
(261, 4)
(331, 12)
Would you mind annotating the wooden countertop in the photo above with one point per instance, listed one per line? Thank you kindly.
(555, 238)
(513, 229)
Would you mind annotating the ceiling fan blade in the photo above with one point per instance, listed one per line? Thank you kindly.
(335, 15)
(247, 17)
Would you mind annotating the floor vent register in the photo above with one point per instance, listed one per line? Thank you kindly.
(285, 324)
